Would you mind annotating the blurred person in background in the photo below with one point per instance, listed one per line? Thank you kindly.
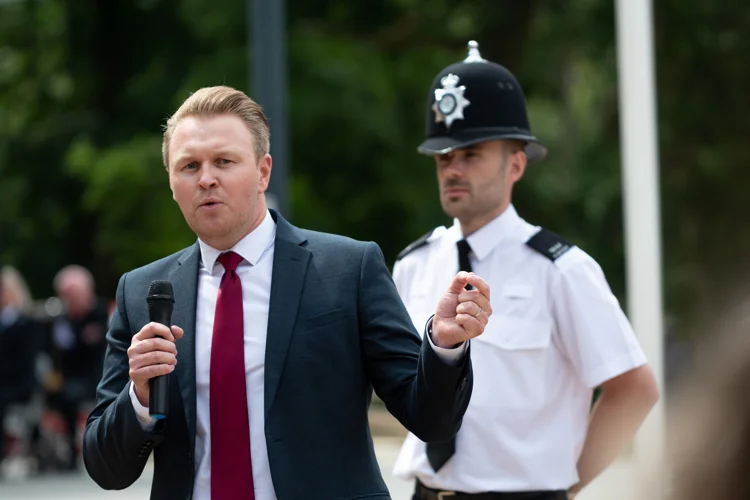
(20, 339)
(557, 332)
(77, 348)
(709, 417)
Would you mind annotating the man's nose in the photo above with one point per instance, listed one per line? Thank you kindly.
(208, 177)
(452, 170)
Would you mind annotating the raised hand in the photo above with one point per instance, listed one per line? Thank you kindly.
(461, 314)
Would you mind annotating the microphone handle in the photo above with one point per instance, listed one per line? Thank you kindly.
(158, 398)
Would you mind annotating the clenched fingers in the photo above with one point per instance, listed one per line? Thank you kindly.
(475, 297)
(155, 330)
(471, 325)
(469, 308)
(481, 286)
(152, 344)
(459, 282)
(142, 375)
(152, 358)
(152, 352)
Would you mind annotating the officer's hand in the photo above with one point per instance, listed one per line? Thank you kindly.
(152, 353)
(573, 491)
(461, 314)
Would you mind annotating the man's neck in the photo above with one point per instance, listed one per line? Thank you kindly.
(474, 224)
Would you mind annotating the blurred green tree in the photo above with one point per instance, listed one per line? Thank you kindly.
(83, 96)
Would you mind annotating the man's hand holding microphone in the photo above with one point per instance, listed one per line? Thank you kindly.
(152, 354)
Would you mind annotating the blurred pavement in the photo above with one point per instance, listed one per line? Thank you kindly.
(616, 484)
(81, 487)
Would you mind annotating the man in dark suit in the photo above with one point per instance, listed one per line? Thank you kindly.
(287, 330)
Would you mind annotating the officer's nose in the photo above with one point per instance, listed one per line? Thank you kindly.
(451, 169)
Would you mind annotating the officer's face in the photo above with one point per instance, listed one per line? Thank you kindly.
(216, 178)
(475, 182)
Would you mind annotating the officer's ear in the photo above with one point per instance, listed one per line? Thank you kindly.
(516, 162)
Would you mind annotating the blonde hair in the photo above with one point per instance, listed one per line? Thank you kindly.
(221, 100)
(11, 279)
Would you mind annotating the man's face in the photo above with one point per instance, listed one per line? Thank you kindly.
(76, 293)
(215, 178)
(475, 183)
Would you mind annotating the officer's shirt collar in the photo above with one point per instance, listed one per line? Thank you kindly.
(484, 240)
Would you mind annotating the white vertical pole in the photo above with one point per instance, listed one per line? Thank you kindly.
(640, 160)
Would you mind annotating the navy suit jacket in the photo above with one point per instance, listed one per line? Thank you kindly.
(337, 329)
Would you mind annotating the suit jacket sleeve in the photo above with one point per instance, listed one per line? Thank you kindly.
(428, 396)
(115, 447)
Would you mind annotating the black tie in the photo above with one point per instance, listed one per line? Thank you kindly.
(439, 453)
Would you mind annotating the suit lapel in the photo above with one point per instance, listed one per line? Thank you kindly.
(184, 280)
(290, 263)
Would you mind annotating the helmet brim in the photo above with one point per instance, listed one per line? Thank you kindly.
(535, 150)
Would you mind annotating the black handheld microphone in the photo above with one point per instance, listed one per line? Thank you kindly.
(160, 304)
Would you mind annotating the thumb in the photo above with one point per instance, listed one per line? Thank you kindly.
(177, 332)
(459, 282)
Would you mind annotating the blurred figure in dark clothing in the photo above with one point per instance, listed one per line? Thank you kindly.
(20, 340)
(77, 347)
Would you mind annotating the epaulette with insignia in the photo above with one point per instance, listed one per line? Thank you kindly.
(418, 243)
(549, 244)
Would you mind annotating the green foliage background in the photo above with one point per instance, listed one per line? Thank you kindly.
(86, 85)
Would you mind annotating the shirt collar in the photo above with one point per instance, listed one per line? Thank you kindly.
(486, 238)
(250, 247)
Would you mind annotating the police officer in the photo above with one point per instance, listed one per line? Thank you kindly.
(556, 332)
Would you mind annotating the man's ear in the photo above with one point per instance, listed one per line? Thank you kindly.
(171, 187)
(264, 167)
(517, 165)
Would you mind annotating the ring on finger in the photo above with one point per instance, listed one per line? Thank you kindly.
(479, 312)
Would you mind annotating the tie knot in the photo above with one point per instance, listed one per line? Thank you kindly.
(230, 260)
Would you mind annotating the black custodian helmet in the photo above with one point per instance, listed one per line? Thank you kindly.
(473, 101)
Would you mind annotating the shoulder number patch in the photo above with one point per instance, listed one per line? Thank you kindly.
(549, 244)
(418, 243)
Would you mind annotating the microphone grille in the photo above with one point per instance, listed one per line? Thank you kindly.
(162, 288)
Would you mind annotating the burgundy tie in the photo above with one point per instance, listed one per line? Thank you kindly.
(231, 466)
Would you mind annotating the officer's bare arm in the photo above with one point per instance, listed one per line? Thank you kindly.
(620, 410)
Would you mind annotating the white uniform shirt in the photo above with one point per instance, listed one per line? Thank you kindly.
(556, 332)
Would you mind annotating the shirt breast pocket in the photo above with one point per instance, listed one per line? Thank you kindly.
(511, 369)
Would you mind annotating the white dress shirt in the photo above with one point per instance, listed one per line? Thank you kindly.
(255, 272)
(556, 332)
